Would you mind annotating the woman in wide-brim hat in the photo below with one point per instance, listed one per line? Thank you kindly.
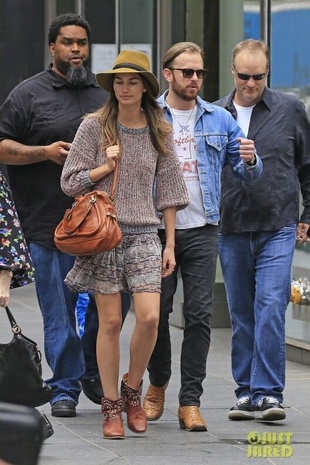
(128, 130)
(129, 61)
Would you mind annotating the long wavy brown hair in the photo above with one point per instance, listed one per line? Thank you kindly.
(159, 126)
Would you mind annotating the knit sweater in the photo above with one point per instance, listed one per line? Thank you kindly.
(137, 200)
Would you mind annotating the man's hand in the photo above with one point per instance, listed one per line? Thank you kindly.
(246, 149)
(57, 152)
(302, 233)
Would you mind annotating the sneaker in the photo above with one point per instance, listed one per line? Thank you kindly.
(271, 409)
(243, 410)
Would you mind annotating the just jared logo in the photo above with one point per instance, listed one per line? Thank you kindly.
(270, 444)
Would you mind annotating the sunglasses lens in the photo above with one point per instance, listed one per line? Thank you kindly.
(244, 77)
(200, 73)
(259, 77)
(247, 77)
(188, 73)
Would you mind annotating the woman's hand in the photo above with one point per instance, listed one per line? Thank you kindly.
(113, 153)
(168, 263)
(5, 283)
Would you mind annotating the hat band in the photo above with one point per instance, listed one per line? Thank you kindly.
(129, 65)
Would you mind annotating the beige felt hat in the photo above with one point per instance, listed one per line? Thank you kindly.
(129, 61)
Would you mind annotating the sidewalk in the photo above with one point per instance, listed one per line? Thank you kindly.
(78, 440)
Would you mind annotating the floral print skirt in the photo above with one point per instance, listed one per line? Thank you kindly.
(14, 253)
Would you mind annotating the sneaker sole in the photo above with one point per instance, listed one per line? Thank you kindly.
(274, 414)
(63, 413)
(237, 415)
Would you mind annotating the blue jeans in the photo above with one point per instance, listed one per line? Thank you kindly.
(89, 337)
(256, 268)
(63, 347)
(196, 255)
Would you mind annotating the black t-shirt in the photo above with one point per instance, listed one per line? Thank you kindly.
(41, 110)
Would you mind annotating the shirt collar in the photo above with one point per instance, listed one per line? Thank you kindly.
(266, 99)
(59, 81)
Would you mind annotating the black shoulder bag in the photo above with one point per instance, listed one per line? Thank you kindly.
(21, 370)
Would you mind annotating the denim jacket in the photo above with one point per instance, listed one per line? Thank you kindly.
(216, 134)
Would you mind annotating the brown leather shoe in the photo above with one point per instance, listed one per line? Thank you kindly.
(154, 401)
(136, 420)
(190, 419)
(113, 422)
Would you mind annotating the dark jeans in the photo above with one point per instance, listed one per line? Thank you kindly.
(62, 344)
(196, 256)
(89, 337)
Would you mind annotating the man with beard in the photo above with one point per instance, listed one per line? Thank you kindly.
(206, 137)
(38, 122)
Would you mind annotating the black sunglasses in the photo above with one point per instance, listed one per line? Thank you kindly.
(189, 73)
(247, 77)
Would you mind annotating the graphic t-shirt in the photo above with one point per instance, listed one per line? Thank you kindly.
(192, 216)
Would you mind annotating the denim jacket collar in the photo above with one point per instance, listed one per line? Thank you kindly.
(202, 105)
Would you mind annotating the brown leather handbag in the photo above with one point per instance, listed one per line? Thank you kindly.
(90, 227)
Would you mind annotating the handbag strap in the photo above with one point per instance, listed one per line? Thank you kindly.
(16, 329)
(115, 173)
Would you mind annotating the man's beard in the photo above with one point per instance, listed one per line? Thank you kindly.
(187, 95)
(75, 75)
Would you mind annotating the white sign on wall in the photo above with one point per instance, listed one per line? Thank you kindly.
(103, 55)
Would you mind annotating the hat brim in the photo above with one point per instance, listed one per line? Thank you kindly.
(105, 79)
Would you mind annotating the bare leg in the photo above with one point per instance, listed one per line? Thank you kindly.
(5, 282)
(144, 335)
(108, 351)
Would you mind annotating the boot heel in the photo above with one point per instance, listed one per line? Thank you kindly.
(181, 423)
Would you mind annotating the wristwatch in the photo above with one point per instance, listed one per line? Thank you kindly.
(253, 161)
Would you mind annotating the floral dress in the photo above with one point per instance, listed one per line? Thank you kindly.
(14, 253)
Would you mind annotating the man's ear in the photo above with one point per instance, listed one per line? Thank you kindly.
(52, 48)
(167, 74)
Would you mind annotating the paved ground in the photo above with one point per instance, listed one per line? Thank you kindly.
(79, 440)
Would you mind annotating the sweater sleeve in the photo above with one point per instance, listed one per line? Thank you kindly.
(85, 154)
(171, 190)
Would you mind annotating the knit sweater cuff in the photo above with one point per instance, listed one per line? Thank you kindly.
(86, 179)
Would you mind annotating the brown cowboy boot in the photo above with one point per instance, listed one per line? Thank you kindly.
(154, 402)
(113, 421)
(190, 419)
(136, 420)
